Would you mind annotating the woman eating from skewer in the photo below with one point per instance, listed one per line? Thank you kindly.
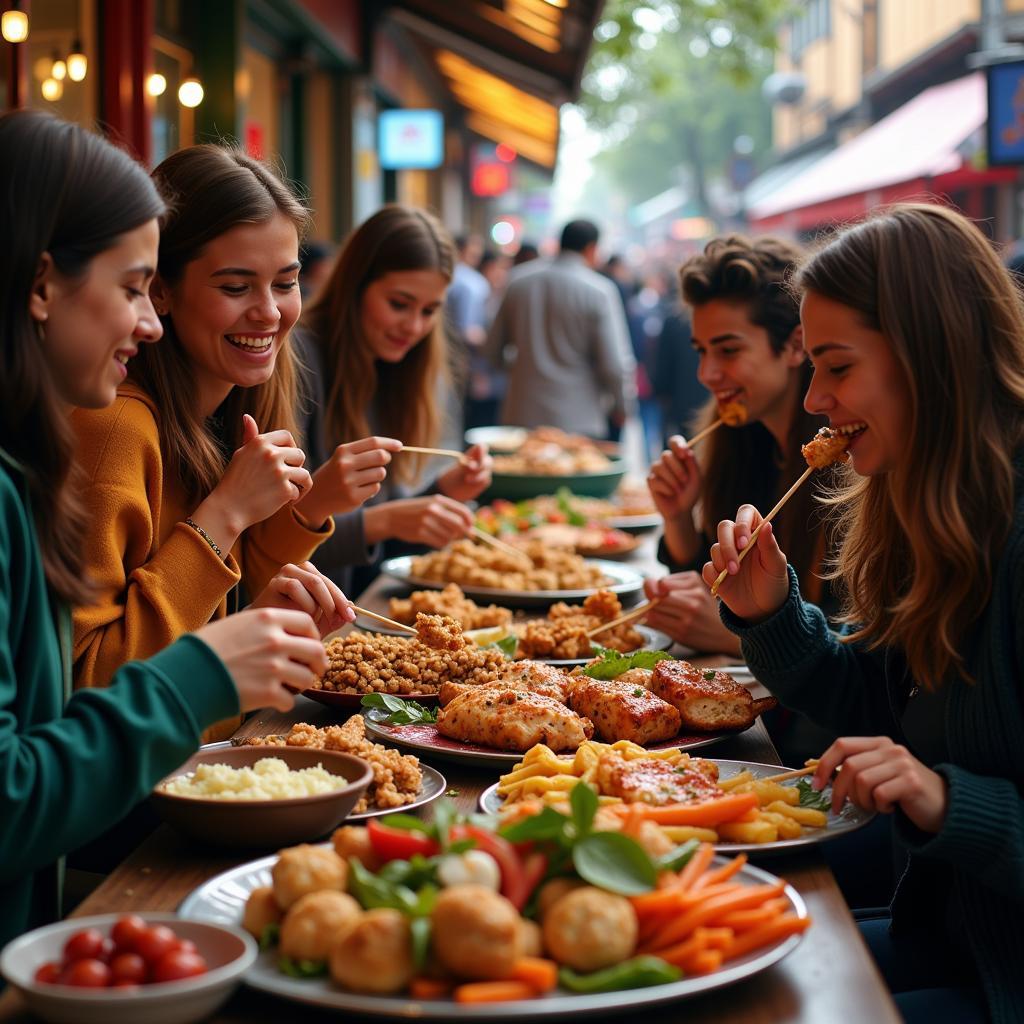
(79, 220)
(916, 333)
(193, 476)
(375, 345)
(746, 330)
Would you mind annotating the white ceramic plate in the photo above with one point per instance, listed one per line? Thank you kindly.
(621, 580)
(499, 440)
(848, 820)
(221, 900)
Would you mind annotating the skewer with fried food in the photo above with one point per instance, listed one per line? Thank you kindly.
(732, 414)
(634, 613)
(484, 537)
(824, 449)
(394, 623)
(448, 453)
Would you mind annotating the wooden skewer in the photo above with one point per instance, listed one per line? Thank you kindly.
(796, 773)
(634, 613)
(447, 452)
(767, 519)
(508, 549)
(383, 618)
(690, 442)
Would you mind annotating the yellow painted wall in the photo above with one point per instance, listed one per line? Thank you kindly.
(908, 27)
(320, 154)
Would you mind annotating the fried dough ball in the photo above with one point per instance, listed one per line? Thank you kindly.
(551, 892)
(476, 932)
(306, 868)
(375, 955)
(261, 909)
(354, 841)
(440, 632)
(531, 940)
(589, 929)
(315, 922)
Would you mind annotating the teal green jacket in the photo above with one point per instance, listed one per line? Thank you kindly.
(978, 856)
(71, 767)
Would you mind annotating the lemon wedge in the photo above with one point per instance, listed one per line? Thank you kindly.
(487, 635)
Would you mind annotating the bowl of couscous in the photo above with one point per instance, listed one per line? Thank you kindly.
(260, 797)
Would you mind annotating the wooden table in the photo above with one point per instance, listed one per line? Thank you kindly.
(829, 977)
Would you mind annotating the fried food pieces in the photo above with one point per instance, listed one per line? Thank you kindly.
(550, 451)
(623, 711)
(732, 414)
(656, 782)
(396, 777)
(510, 719)
(707, 700)
(439, 632)
(534, 676)
(480, 565)
(563, 635)
(451, 602)
(825, 448)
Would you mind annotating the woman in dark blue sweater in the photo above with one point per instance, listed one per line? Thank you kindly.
(917, 338)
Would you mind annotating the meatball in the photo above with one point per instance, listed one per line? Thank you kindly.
(354, 841)
(476, 932)
(261, 909)
(375, 955)
(551, 892)
(315, 922)
(589, 929)
(302, 869)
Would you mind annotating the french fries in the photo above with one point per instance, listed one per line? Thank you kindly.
(544, 776)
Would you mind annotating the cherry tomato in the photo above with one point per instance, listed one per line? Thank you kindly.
(88, 973)
(48, 973)
(128, 967)
(123, 983)
(398, 843)
(84, 945)
(126, 931)
(178, 964)
(154, 942)
(185, 946)
(107, 951)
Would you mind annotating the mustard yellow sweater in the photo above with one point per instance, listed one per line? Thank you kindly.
(156, 577)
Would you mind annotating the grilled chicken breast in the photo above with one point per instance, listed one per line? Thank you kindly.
(706, 700)
(510, 719)
(652, 781)
(534, 676)
(623, 711)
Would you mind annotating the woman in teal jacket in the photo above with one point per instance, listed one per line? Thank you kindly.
(79, 223)
(916, 333)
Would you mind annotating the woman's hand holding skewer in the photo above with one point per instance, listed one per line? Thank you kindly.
(350, 477)
(674, 480)
(470, 478)
(434, 520)
(757, 587)
(304, 588)
(688, 613)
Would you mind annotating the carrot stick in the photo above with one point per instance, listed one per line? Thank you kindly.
(684, 951)
(493, 992)
(787, 924)
(429, 988)
(659, 901)
(704, 962)
(721, 874)
(540, 974)
(633, 820)
(703, 815)
(742, 920)
(707, 910)
(718, 938)
(695, 866)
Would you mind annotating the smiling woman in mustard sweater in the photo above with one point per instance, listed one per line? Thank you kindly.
(188, 499)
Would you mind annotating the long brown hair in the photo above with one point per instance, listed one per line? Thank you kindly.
(210, 190)
(744, 464)
(66, 192)
(919, 544)
(395, 238)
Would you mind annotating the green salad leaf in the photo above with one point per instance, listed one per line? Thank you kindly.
(391, 710)
(564, 498)
(614, 862)
(270, 935)
(815, 799)
(421, 929)
(612, 664)
(302, 968)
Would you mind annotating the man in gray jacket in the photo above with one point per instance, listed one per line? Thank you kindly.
(572, 365)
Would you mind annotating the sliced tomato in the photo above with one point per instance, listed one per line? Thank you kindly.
(519, 875)
(398, 843)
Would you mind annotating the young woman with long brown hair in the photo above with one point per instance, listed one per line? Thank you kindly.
(79, 220)
(188, 497)
(916, 333)
(378, 355)
(746, 331)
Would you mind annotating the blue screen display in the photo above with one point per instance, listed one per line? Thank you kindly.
(410, 139)
(1006, 113)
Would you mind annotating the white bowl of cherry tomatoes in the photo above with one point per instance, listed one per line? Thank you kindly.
(122, 968)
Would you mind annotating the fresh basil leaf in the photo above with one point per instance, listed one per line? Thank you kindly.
(421, 929)
(407, 822)
(677, 858)
(549, 824)
(584, 803)
(461, 846)
(391, 710)
(425, 900)
(507, 645)
(302, 968)
(613, 664)
(815, 799)
(270, 935)
(446, 814)
(614, 862)
(373, 892)
(412, 873)
(382, 700)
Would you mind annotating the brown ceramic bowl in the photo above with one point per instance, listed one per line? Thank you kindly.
(270, 824)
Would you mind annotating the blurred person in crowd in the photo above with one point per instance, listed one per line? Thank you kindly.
(747, 338)
(317, 258)
(573, 366)
(916, 333)
(647, 311)
(526, 252)
(466, 309)
(81, 220)
(485, 386)
(677, 387)
(193, 478)
(378, 360)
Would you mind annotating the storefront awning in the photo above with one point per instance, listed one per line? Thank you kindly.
(918, 142)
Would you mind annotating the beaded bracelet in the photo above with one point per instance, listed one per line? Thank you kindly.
(202, 533)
